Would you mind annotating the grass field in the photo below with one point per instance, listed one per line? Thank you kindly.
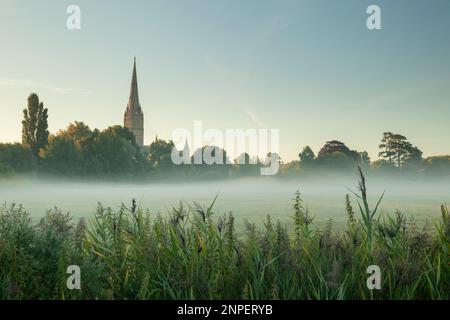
(195, 252)
(246, 198)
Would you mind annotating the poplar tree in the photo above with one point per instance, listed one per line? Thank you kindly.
(35, 125)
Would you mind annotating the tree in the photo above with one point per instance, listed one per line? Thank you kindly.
(77, 131)
(401, 147)
(71, 151)
(364, 158)
(337, 160)
(35, 126)
(115, 154)
(17, 157)
(78, 150)
(396, 149)
(63, 155)
(211, 153)
(337, 146)
(291, 169)
(122, 132)
(6, 170)
(387, 148)
(307, 156)
(413, 159)
(211, 162)
(437, 166)
(160, 153)
(336, 155)
(382, 164)
(246, 165)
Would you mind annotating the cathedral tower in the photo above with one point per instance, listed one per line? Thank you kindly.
(134, 117)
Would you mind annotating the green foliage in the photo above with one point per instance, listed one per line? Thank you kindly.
(367, 215)
(211, 162)
(302, 218)
(245, 165)
(307, 156)
(396, 149)
(160, 154)
(17, 238)
(364, 158)
(337, 146)
(353, 226)
(337, 160)
(192, 254)
(291, 169)
(121, 132)
(214, 152)
(16, 159)
(80, 151)
(113, 152)
(34, 125)
(383, 165)
(438, 166)
(6, 170)
(335, 155)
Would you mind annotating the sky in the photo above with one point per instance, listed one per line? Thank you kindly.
(311, 68)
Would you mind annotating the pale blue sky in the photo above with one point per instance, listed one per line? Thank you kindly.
(310, 68)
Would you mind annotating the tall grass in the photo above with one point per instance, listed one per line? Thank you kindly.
(194, 254)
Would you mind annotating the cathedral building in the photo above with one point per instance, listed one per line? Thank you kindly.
(134, 117)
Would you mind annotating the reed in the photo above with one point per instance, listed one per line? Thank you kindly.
(193, 254)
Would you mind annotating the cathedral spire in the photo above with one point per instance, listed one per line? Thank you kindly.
(186, 150)
(134, 117)
(133, 102)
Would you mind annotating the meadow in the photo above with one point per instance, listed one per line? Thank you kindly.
(195, 252)
(247, 198)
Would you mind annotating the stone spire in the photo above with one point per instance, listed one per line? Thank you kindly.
(133, 102)
(134, 117)
(186, 148)
(186, 153)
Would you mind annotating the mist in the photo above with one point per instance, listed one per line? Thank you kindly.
(249, 199)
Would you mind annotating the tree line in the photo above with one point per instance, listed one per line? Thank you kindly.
(81, 151)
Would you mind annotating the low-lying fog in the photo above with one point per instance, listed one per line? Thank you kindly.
(247, 198)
